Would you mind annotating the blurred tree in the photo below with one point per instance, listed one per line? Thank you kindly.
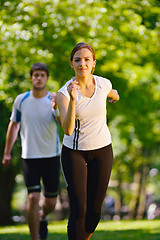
(125, 36)
(7, 176)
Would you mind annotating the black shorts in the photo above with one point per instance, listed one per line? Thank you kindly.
(45, 169)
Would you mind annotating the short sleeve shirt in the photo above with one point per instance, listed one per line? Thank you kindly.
(91, 130)
(39, 129)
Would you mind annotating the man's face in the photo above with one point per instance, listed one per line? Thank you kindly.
(39, 79)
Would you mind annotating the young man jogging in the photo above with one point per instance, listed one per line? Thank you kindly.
(34, 114)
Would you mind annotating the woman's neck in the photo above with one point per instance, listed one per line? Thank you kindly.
(85, 81)
(87, 86)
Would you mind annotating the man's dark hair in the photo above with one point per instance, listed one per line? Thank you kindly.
(39, 66)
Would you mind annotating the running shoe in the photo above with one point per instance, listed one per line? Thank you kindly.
(43, 230)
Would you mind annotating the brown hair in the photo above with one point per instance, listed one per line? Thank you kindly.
(80, 46)
(39, 66)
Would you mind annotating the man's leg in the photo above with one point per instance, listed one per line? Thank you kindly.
(33, 214)
(50, 177)
(31, 171)
(47, 207)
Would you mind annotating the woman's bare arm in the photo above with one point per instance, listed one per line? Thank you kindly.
(113, 96)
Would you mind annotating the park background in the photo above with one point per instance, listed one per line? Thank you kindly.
(125, 37)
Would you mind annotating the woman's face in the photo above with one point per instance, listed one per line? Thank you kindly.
(83, 62)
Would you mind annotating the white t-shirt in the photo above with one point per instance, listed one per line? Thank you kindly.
(39, 129)
(91, 130)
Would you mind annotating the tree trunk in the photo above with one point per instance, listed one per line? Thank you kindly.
(119, 199)
(136, 192)
(7, 179)
(142, 201)
(7, 175)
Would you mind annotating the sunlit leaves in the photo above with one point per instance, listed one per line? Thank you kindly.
(124, 34)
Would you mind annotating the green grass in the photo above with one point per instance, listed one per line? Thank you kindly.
(107, 230)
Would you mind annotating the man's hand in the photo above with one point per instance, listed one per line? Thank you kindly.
(6, 160)
(53, 100)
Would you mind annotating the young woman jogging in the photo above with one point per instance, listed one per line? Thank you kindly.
(87, 151)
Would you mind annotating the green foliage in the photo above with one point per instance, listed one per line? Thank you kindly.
(125, 36)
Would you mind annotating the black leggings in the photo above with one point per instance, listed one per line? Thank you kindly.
(87, 175)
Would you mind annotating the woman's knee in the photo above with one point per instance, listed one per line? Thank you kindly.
(77, 210)
(81, 212)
